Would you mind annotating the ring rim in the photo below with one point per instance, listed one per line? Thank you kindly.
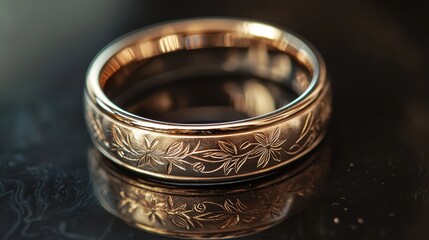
(94, 91)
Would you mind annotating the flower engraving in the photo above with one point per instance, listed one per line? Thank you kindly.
(227, 156)
(273, 205)
(155, 210)
(268, 147)
(199, 207)
(150, 155)
(161, 210)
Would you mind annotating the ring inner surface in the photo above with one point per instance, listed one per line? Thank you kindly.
(208, 85)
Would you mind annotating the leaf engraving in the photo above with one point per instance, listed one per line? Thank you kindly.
(265, 149)
(155, 209)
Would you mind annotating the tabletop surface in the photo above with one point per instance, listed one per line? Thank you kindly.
(377, 183)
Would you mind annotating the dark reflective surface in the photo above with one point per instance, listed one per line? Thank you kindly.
(376, 53)
(208, 211)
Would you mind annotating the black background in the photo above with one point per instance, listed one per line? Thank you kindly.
(376, 53)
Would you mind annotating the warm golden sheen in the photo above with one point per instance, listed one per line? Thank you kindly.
(270, 137)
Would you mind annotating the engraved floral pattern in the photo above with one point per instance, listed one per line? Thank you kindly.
(203, 210)
(226, 157)
(159, 211)
(150, 154)
(273, 205)
(95, 125)
(154, 210)
(268, 147)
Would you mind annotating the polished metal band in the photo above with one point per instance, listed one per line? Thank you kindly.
(207, 152)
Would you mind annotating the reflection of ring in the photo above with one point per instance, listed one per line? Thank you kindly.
(216, 212)
(190, 133)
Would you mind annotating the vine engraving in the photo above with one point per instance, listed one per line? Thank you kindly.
(226, 157)
(225, 215)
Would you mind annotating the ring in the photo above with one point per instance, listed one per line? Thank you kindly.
(207, 100)
(206, 213)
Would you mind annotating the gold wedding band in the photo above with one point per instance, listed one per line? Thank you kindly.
(206, 129)
(206, 213)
